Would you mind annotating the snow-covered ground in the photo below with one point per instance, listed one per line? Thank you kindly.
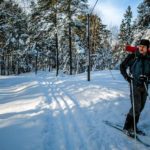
(42, 112)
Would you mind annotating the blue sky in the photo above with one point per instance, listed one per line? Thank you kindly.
(111, 11)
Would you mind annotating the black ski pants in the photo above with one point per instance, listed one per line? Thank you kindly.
(140, 96)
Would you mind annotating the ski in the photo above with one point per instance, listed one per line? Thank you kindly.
(121, 127)
(138, 137)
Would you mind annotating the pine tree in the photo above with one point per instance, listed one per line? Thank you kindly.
(71, 10)
(144, 14)
(42, 34)
(99, 44)
(62, 25)
(14, 34)
(142, 22)
(122, 34)
(125, 37)
(128, 19)
(96, 33)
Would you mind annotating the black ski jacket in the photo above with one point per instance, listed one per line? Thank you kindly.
(136, 65)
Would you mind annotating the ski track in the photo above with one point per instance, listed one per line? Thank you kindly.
(71, 126)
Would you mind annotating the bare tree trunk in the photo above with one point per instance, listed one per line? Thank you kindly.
(70, 39)
(89, 59)
(70, 49)
(36, 63)
(3, 64)
(56, 38)
(57, 55)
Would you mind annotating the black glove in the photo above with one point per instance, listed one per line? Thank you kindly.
(143, 78)
(128, 78)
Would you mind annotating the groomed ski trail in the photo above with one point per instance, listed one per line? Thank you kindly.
(69, 128)
(65, 112)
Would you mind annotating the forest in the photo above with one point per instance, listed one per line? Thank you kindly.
(53, 34)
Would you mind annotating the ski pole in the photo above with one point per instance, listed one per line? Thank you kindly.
(112, 75)
(133, 106)
(146, 90)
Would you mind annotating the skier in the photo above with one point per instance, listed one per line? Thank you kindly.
(136, 70)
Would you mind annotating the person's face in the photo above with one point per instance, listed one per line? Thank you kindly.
(142, 49)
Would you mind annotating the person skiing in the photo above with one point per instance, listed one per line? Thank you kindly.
(136, 70)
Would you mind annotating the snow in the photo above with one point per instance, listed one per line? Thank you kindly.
(44, 112)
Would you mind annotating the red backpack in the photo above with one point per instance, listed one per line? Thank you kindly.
(133, 49)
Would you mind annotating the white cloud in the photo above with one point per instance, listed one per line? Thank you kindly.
(109, 14)
(111, 11)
